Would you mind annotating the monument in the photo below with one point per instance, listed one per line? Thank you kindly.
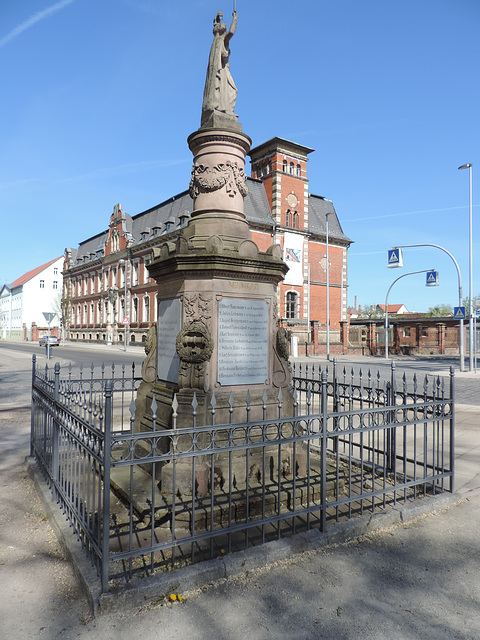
(217, 292)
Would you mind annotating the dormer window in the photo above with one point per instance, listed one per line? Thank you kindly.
(183, 218)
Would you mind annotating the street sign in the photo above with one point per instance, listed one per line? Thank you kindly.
(459, 313)
(126, 320)
(48, 316)
(395, 258)
(432, 279)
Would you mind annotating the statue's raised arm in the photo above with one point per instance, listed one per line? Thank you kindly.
(220, 92)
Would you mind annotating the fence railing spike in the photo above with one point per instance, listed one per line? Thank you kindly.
(265, 395)
(133, 409)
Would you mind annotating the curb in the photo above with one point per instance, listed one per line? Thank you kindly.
(141, 592)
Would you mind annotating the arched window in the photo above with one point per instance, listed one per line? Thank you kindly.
(299, 170)
(295, 220)
(285, 166)
(146, 309)
(135, 310)
(292, 168)
(291, 304)
(288, 217)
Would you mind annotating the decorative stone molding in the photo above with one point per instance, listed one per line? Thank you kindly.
(229, 174)
(194, 343)
(194, 347)
(196, 143)
(197, 307)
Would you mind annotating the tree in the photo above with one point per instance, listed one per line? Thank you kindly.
(62, 307)
(371, 311)
(441, 310)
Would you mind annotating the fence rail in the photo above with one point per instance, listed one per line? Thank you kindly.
(143, 501)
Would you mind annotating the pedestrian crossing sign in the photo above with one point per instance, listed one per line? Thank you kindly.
(395, 258)
(432, 278)
(459, 313)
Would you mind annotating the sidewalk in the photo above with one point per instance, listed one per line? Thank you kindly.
(416, 580)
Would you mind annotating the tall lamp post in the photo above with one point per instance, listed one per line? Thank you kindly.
(470, 271)
(327, 273)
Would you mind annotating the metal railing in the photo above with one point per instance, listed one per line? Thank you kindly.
(144, 501)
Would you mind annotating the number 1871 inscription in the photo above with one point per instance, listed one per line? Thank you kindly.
(242, 341)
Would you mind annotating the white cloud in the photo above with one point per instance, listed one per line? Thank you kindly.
(30, 22)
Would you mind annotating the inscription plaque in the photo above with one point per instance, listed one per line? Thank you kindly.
(242, 341)
(169, 325)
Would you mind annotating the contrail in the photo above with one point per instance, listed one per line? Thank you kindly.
(37, 17)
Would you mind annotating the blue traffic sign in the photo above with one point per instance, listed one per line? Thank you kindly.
(459, 313)
(432, 279)
(395, 258)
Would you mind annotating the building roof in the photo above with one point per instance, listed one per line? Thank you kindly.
(392, 308)
(280, 143)
(318, 207)
(31, 274)
(174, 213)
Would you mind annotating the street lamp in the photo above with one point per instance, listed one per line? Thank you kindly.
(470, 271)
(328, 284)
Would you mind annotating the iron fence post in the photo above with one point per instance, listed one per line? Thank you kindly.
(32, 412)
(107, 446)
(452, 429)
(323, 522)
(335, 402)
(55, 426)
(391, 431)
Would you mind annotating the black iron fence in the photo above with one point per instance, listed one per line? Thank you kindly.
(145, 501)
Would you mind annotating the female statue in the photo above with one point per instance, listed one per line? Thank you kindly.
(220, 91)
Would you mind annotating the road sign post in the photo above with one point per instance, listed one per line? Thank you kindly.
(395, 258)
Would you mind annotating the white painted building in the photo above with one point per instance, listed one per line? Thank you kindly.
(23, 302)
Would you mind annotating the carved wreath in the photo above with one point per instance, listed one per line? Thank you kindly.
(194, 343)
(205, 179)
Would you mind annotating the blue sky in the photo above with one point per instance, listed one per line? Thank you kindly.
(99, 97)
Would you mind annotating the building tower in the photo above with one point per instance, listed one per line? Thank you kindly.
(300, 227)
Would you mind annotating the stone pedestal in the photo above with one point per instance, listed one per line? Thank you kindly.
(217, 303)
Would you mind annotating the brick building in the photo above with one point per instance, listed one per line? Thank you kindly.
(412, 334)
(106, 279)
